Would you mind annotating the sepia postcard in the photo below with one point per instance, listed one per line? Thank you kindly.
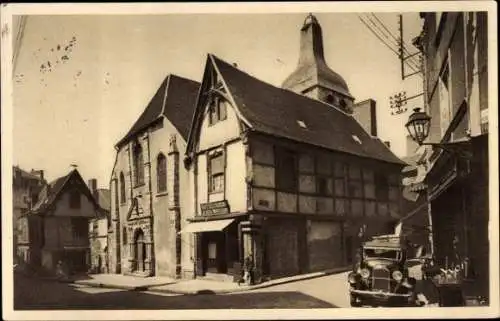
(204, 161)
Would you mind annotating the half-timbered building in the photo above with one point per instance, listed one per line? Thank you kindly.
(286, 176)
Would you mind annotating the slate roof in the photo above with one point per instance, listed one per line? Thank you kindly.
(175, 99)
(276, 111)
(50, 192)
(104, 199)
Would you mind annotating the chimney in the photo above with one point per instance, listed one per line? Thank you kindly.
(93, 187)
(365, 113)
(38, 173)
(388, 144)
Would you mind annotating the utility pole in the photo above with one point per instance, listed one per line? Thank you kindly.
(401, 54)
(399, 100)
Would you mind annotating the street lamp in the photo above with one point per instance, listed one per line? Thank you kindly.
(418, 126)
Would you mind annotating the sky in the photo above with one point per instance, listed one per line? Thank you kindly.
(104, 69)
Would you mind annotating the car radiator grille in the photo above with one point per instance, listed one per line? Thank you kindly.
(381, 279)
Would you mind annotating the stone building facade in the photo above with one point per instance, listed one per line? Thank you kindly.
(25, 188)
(146, 179)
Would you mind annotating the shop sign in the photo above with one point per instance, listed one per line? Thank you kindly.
(215, 208)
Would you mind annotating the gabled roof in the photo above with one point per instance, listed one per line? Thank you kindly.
(175, 99)
(104, 199)
(51, 191)
(276, 111)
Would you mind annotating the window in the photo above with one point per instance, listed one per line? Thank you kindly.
(343, 103)
(80, 227)
(381, 187)
(217, 110)
(122, 188)
(124, 229)
(161, 173)
(138, 165)
(117, 192)
(445, 98)
(216, 173)
(74, 199)
(286, 174)
(322, 186)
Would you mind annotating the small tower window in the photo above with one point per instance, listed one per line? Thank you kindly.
(330, 99)
(343, 103)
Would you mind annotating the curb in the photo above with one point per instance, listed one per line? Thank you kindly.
(152, 288)
(252, 287)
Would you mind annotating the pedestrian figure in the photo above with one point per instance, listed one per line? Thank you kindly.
(248, 268)
(60, 270)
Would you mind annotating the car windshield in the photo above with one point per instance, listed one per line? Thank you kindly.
(382, 253)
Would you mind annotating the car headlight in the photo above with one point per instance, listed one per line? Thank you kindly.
(365, 273)
(352, 278)
(397, 275)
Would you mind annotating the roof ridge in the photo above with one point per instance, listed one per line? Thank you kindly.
(289, 106)
(281, 88)
(182, 78)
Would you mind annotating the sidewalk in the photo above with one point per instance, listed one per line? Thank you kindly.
(119, 281)
(194, 286)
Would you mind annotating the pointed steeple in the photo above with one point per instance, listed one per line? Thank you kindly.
(313, 77)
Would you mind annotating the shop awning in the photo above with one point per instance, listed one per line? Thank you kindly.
(207, 226)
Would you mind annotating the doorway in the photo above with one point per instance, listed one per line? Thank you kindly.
(214, 252)
(139, 251)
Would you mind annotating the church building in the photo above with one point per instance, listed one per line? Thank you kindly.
(146, 184)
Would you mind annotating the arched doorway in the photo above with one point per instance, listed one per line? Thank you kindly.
(139, 251)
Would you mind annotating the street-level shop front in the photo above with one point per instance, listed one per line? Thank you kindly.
(278, 246)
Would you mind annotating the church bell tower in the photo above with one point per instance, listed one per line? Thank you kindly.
(312, 77)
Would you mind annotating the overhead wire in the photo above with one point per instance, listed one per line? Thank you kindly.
(18, 41)
(404, 45)
(384, 42)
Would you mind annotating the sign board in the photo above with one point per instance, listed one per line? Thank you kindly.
(215, 208)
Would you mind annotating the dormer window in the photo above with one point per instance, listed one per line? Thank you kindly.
(217, 110)
(343, 103)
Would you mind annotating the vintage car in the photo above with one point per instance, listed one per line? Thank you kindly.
(380, 277)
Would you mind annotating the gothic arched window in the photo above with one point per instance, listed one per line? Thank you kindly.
(161, 172)
(138, 165)
(122, 188)
(117, 192)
